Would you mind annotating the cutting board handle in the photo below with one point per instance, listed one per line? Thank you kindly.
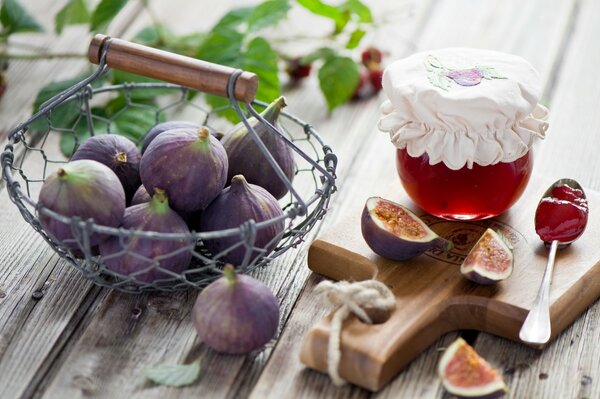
(174, 68)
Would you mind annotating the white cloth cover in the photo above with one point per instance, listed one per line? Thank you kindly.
(462, 105)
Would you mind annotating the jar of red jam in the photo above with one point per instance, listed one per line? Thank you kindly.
(463, 122)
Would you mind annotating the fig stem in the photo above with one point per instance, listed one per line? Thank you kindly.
(230, 274)
(271, 113)
(121, 157)
(61, 172)
(203, 132)
(160, 201)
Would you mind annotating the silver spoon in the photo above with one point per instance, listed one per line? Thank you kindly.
(536, 328)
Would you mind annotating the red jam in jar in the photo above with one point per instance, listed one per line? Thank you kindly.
(464, 194)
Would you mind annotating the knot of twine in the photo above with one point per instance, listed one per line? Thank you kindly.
(360, 298)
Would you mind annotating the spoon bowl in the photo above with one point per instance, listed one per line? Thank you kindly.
(561, 217)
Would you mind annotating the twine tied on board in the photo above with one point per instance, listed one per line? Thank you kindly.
(370, 300)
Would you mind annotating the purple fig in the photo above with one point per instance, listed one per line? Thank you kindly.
(467, 375)
(237, 204)
(86, 189)
(236, 314)
(144, 258)
(490, 260)
(245, 158)
(141, 196)
(118, 153)
(190, 165)
(394, 232)
(466, 77)
(163, 127)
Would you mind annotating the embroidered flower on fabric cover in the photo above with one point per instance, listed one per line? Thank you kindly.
(442, 76)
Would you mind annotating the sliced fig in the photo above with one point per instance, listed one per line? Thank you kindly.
(86, 189)
(145, 257)
(118, 153)
(467, 375)
(190, 165)
(235, 205)
(490, 260)
(394, 232)
(245, 157)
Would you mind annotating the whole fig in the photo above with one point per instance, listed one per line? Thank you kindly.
(163, 127)
(141, 195)
(118, 153)
(190, 165)
(245, 157)
(236, 314)
(86, 189)
(235, 205)
(145, 257)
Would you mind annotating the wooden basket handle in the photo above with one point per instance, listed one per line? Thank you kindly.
(173, 68)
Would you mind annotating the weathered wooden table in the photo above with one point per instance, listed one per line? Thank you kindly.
(63, 337)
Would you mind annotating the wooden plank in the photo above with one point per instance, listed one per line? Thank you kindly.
(448, 24)
(569, 368)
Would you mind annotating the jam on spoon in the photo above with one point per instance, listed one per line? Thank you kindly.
(560, 218)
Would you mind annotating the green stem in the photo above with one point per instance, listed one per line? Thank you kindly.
(42, 56)
(229, 274)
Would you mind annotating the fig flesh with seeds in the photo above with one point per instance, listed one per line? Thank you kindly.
(236, 314)
(118, 153)
(490, 260)
(190, 165)
(237, 204)
(467, 375)
(86, 189)
(246, 158)
(394, 232)
(142, 257)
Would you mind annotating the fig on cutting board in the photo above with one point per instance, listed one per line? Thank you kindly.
(467, 375)
(85, 189)
(118, 153)
(236, 314)
(396, 233)
(490, 260)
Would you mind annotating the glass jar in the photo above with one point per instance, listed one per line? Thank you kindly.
(463, 122)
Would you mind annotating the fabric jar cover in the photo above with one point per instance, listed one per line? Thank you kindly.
(463, 106)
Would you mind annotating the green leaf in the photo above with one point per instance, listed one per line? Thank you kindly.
(120, 77)
(15, 18)
(221, 46)
(234, 18)
(74, 12)
(261, 59)
(338, 78)
(359, 9)
(105, 12)
(355, 38)
(323, 53)
(174, 375)
(317, 7)
(135, 120)
(69, 141)
(268, 13)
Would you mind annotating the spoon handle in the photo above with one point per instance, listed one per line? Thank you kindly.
(536, 328)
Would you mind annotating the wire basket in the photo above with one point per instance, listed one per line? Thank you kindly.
(33, 153)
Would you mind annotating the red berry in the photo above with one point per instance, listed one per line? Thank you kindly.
(375, 76)
(296, 70)
(362, 89)
(371, 56)
(560, 220)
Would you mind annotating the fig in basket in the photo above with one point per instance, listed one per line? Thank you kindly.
(189, 164)
(85, 189)
(118, 153)
(246, 158)
(236, 313)
(394, 232)
(147, 259)
(170, 125)
(237, 204)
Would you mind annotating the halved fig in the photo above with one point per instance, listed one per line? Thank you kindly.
(467, 375)
(490, 260)
(396, 233)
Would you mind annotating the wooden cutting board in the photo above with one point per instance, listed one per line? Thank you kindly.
(433, 298)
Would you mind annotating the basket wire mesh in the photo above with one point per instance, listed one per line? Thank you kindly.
(304, 205)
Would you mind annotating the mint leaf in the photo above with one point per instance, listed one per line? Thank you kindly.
(338, 78)
(359, 9)
(15, 19)
(174, 375)
(355, 38)
(268, 13)
(74, 12)
(317, 7)
(105, 12)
